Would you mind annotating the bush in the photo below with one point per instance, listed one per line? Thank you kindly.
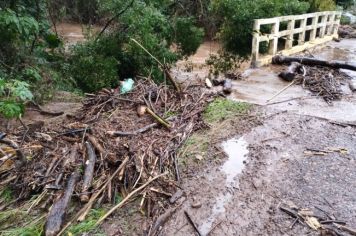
(187, 36)
(321, 5)
(102, 62)
(237, 18)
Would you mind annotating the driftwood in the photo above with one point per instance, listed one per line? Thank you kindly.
(291, 72)
(133, 193)
(89, 172)
(314, 62)
(56, 215)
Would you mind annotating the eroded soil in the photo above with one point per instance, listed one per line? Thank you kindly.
(277, 171)
(297, 156)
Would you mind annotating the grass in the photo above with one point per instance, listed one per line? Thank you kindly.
(6, 195)
(218, 115)
(88, 224)
(222, 109)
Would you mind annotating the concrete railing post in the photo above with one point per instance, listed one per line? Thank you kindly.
(273, 47)
(314, 29)
(301, 36)
(290, 37)
(256, 41)
(323, 27)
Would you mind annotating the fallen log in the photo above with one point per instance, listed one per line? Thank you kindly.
(56, 215)
(89, 172)
(314, 62)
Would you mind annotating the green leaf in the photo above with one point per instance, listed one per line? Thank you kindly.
(11, 109)
(20, 89)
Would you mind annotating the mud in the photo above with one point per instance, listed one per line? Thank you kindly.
(277, 171)
(278, 166)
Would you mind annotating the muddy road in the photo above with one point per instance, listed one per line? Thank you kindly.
(299, 155)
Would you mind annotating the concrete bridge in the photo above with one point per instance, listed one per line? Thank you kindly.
(292, 34)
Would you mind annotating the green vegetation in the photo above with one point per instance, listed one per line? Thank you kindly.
(34, 63)
(222, 109)
(88, 225)
(219, 115)
(236, 19)
(5, 195)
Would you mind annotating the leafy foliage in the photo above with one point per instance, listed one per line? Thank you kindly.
(237, 17)
(13, 94)
(102, 62)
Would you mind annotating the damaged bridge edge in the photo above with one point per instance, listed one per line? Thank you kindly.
(318, 28)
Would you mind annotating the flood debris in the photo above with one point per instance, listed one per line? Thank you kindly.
(119, 152)
(322, 78)
(347, 31)
(314, 62)
(323, 224)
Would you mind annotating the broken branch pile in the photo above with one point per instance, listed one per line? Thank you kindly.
(117, 143)
(321, 81)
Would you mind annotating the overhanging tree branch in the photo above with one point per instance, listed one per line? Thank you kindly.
(113, 18)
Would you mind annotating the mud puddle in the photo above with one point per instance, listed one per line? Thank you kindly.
(236, 150)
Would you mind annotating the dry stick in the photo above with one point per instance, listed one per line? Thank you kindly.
(133, 133)
(192, 223)
(163, 67)
(85, 210)
(19, 153)
(138, 131)
(345, 228)
(56, 215)
(281, 91)
(89, 172)
(127, 198)
(159, 119)
(161, 220)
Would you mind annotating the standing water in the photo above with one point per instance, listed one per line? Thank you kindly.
(236, 150)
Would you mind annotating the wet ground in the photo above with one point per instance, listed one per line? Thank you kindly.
(265, 164)
(297, 156)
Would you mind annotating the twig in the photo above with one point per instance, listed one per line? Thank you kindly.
(281, 91)
(192, 223)
(345, 228)
(163, 66)
(127, 198)
(19, 153)
(113, 18)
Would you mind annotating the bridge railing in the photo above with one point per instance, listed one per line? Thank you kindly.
(292, 34)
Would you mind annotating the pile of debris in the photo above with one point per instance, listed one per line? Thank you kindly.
(326, 224)
(115, 145)
(322, 78)
(347, 31)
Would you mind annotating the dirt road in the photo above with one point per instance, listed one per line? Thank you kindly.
(298, 156)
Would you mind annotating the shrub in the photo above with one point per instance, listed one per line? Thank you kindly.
(102, 62)
(237, 18)
(187, 36)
